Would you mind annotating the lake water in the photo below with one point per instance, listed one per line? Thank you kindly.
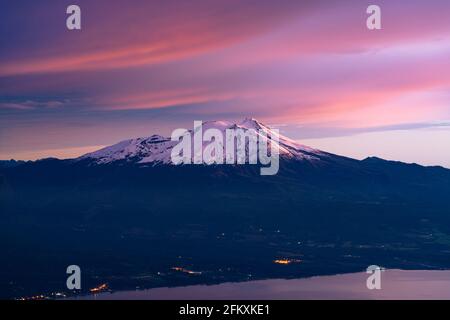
(395, 284)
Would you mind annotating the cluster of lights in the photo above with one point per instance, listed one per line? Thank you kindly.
(100, 288)
(186, 270)
(286, 261)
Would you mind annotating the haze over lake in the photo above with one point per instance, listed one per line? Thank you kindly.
(396, 284)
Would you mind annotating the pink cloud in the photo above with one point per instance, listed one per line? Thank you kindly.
(311, 62)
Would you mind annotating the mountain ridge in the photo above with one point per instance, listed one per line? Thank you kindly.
(156, 149)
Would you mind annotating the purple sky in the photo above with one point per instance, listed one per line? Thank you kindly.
(312, 68)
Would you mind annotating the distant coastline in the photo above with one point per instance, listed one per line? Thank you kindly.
(396, 284)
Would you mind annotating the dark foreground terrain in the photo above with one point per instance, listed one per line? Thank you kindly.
(128, 226)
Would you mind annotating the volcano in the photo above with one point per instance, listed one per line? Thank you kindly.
(157, 149)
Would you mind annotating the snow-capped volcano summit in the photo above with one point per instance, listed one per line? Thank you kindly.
(157, 149)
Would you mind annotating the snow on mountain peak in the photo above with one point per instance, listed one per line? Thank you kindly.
(157, 149)
(251, 123)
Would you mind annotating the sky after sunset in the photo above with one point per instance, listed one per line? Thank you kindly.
(310, 68)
